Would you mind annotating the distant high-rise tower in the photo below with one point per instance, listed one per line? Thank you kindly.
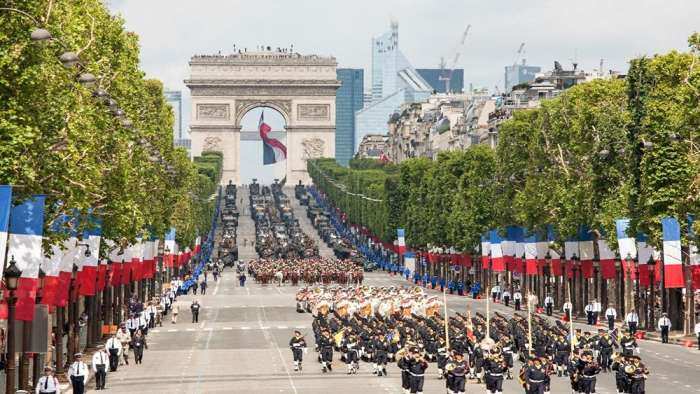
(180, 137)
(348, 100)
(394, 82)
(519, 73)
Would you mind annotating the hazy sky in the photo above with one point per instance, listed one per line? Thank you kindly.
(615, 30)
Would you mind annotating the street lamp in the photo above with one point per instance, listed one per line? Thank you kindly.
(651, 269)
(12, 275)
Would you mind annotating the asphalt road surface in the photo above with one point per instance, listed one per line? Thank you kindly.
(240, 345)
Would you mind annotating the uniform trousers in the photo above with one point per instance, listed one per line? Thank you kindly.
(100, 376)
(416, 383)
(493, 383)
(78, 383)
(664, 334)
(458, 384)
(297, 353)
(588, 385)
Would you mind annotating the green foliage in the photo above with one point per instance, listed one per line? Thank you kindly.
(58, 140)
(577, 160)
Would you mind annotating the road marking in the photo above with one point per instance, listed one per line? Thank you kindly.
(228, 328)
(245, 328)
(282, 327)
(155, 330)
(190, 329)
(271, 340)
(172, 330)
(208, 329)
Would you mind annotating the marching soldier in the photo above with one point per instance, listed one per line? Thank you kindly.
(381, 350)
(325, 346)
(589, 370)
(416, 371)
(535, 377)
(495, 366)
(638, 374)
(628, 344)
(457, 370)
(605, 348)
(298, 346)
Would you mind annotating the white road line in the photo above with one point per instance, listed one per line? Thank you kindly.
(155, 330)
(228, 328)
(190, 329)
(271, 340)
(172, 330)
(245, 328)
(208, 329)
(247, 290)
(282, 327)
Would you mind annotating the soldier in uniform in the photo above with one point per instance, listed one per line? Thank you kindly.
(605, 349)
(638, 374)
(535, 377)
(416, 370)
(495, 367)
(457, 369)
(628, 344)
(298, 346)
(589, 370)
(325, 345)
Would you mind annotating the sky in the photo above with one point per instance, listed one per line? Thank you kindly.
(583, 31)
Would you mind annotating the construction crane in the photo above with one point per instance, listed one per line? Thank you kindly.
(518, 54)
(458, 52)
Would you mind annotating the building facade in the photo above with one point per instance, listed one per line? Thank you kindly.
(372, 146)
(394, 82)
(348, 100)
(518, 74)
(180, 135)
(434, 76)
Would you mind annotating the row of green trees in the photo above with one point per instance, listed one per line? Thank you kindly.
(602, 150)
(107, 145)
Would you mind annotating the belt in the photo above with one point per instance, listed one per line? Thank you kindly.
(589, 376)
(415, 374)
(535, 381)
(495, 374)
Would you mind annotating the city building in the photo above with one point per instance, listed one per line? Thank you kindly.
(180, 136)
(349, 99)
(394, 82)
(372, 146)
(435, 77)
(518, 74)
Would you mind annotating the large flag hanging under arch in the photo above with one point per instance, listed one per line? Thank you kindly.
(273, 150)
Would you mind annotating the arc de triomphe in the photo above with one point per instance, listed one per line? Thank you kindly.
(301, 87)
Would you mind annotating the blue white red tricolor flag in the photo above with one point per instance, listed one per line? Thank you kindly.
(497, 262)
(673, 261)
(273, 150)
(26, 232)
(401, 234)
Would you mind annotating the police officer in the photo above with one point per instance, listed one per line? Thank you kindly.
(48, 384)
(99, 368)
(506, 297)
(632, 320)
(611, 316)
(194, 308)
(114, 349)
(517, 299)
(567, 308)
(589, 309)
(298, 346)
(78, 374)
(549, 304)
(664, 325)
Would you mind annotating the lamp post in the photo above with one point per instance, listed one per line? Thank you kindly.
(546, 271)
(12, 275)
(577, 306)
(167, 269)
(651, 300)
(36, 362)
(71, 348)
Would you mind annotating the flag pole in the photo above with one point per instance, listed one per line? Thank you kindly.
(529, 324)
(571, 320)
(447, 331)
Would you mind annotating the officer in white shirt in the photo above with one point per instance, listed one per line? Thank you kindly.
(664, 325)
(589, 314)
(48, 384)
(114, 350)
(99, 368)
(78, 374)
(144, 319)
(611, 316)
(495, 291)
(632, 320)
(548, 304)
(697, 331)
(152, 311)
(597, 310)
(517, 298)
(133, 324)
(567, 308)
(506, 297)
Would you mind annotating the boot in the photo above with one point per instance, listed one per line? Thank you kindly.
(384, 370)
(296, 366)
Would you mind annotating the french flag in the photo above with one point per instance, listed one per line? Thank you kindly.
(5, 207)
(508, 248)
(673, 259)
(51, 266)
(273, 150)
(519, 260)
(531, 255)
(197, 245)
(87, 277)
(556, 268)
(485, 251)
(586, 251)
(116, 257)
(694, 254)
(542, 247)
(24, 241)
(498, 263)
(137, 261)
(149, 255)
(170, 247)
(401, 234)
(607, 260)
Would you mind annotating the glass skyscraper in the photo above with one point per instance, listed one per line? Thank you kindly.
(394, 82)
(180, 136)
(349, 99)
(433, 75)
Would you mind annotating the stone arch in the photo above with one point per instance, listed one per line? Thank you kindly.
(284, 107)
